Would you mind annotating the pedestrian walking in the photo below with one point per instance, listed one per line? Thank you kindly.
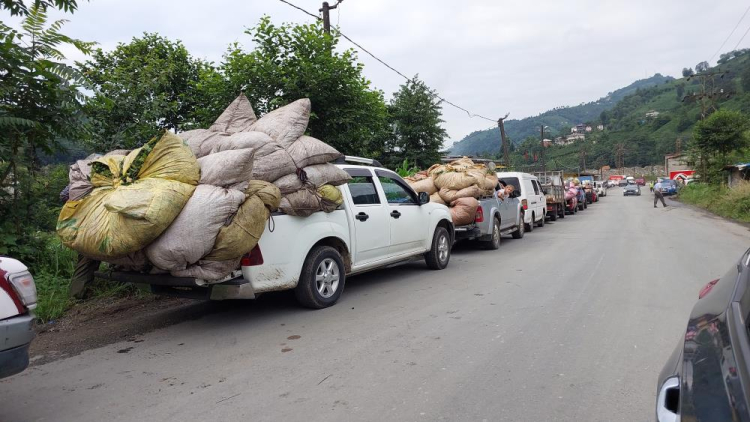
(658, 196)
(83, 273)
(651, 186)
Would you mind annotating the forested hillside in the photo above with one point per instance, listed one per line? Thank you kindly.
(487, 141)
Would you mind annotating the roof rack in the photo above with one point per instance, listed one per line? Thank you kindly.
(359, 160)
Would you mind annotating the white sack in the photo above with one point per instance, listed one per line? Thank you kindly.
(308, 151)
(210, 271)
(192, 234)
(226, 168)
(238, 117)
(318, 175)
(285, 124)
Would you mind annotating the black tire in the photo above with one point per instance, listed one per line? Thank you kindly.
(521, 230)
(585, 205)
(563, 211)
(542, 220)
(553, 216)
(439, 255)
(494, 242)
(322, 262)
(530, 226)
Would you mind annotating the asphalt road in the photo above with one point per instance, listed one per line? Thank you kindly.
(571, 323)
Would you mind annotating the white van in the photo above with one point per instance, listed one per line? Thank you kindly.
(533, 201)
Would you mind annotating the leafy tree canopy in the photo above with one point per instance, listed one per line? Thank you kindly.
(415, 118)
(17, 7)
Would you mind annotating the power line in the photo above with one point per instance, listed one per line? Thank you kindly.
(408, 79)
(730, 35)
(743, 37)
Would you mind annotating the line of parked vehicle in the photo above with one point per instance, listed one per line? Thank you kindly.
(382, 222)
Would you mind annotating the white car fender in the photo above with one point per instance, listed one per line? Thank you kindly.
(438, 214)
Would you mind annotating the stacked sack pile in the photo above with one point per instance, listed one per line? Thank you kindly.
(193, 204)
(458, 184)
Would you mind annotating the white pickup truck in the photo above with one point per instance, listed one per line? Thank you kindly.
(382, 222)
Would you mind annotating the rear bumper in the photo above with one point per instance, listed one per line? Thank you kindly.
(467, 232)
(15, 336)
(233, 288)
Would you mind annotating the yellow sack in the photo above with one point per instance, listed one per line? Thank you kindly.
(331, 193)
(135, 198)
(243, 233)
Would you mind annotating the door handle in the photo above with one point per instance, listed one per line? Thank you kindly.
(362, 216)
(395, 214)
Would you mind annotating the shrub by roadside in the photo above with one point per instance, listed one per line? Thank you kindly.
(727, 202)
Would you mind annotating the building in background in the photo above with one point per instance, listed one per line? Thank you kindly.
(677, 166)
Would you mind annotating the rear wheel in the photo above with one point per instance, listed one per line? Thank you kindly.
(542, 220)
(322, 279)
(530, 226)
(494, 241)
(554, 214)
(562, 211)
(438, 256)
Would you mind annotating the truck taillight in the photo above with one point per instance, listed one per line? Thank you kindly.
(255, 257)
(525, 204)
(480, 215)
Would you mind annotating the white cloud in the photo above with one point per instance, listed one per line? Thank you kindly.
(489, 56)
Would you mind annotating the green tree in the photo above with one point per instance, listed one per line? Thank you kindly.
(299, 61)
(745, 79)
(39, 106)
(687, 71)
(717, 137)
(141, 87)
(17, 7)
(680, 88)
(415, 118)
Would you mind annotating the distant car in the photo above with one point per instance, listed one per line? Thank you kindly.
(668, 187)
(17, 300)
(622, 183)
(640, 181)
(705, 379)
(601, 188)
(631, 190)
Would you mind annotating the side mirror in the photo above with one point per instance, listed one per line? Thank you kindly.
(424, 198)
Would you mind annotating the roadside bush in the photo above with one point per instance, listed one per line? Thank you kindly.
(727, 202)
(54, 264)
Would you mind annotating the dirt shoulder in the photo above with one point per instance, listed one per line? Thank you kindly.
(102, 321)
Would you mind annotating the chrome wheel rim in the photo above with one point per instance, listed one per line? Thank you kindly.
(327, 277)
(443, 248)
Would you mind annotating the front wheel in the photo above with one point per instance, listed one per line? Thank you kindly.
(563, 211)
(322, 279)
(521, 230)
(438, 256)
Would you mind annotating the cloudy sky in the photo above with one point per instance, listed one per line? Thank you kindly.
(489, 56)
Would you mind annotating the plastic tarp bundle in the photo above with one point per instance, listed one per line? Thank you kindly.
(135, 198)
(79, 176)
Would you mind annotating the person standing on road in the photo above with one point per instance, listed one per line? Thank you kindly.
(83, 273)
(658, 195)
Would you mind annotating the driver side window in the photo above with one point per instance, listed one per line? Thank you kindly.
(394, 192)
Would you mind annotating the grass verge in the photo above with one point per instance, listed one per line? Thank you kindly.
(721, 200)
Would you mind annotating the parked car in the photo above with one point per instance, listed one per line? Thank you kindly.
(668, 187)
(581, 199)
(590, 192)
(640, 181)
(601, 188)
(17, 300)
(532, 198)
(381, 222)
(554, 193)
(494, 219)
(631, 190)
(705, 378)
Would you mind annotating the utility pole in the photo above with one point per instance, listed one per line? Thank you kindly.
(504, 140)
(541, 129)
(708, 94)
(583, 159)
(326, 16)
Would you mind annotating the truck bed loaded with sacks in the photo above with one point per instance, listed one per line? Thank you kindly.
(244, 207)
